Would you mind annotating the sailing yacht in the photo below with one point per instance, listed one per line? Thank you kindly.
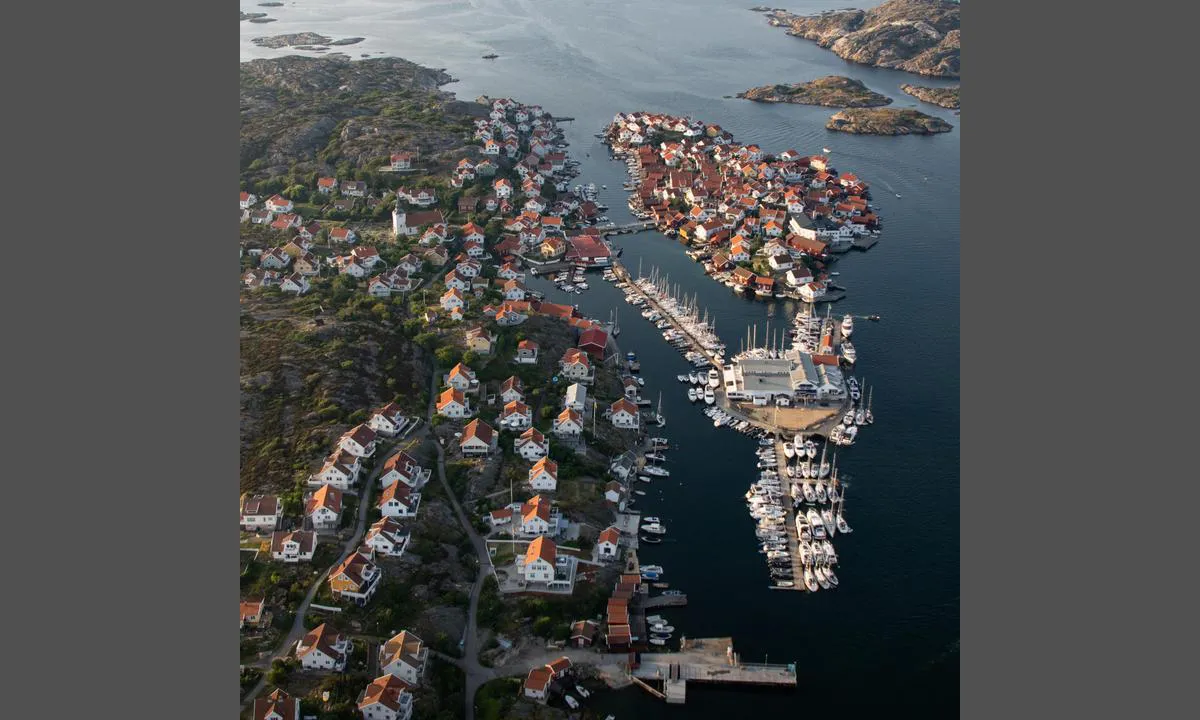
(842, 527)
(868, 416)
(831, 577)
(860, 416)
(820, 493)
(848, 418)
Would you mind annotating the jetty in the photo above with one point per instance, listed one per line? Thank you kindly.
(706, 660)
(606, 230)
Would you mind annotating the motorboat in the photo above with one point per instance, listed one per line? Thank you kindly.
(784, 584)
(657, 641)
(693, 395)
(709, 396)
(692, 379)
(658, 569)
(848, 353)
(639, 492)
(672, 593)
(819, 491)
(656, 619)
(654, 529)
(583, 693)
(810, 493)
(714, 378)
(660, 442)
(681, 378)
(644, 478)
(650, 540)
(647, 575)
(656, 457)
(820, 573)
(571, 701)
(810, 582)
(842, 527)
(849, 435)
(659, 628)
(656, 470)
(789, 451)
(847, 325)
(649, 519)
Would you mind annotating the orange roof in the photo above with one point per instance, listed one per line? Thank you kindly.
(569, 414)
(544, 464)
(541, 548)
(327, 496)
(448, 396)
(538, 679)
(477, 428)
(610, 535)
(385, 690)
(623, 404)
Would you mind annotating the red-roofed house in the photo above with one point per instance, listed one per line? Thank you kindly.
(527, 352)
(575, 365)
(588, 251)
(568, 424)
(544, 475)
(478, 438)
(324, 508)
(624, 415)
(608, 545)
(277, 706)
(532, 445)
(537, 683)
(537, 565)
(594, 342)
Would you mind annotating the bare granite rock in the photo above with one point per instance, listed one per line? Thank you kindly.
(887, 121)
(831, 91)
(942, 97)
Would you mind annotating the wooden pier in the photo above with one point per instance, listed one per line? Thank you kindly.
(665, 601)
(707, 660)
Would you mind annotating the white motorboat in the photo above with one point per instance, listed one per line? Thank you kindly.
(849, 353)
(810, 582)
(810, 494)
(639, 492)
(709, 396)
(692, 395)
(848, 418)
(785, 584)
(849, 435)
(655, 619)
(644, 478)
(831, 577)
(791, 471)
(662, 628)
(571, 701)
(820, 573)
(798, 443)
(656, 470)
(810, 448)
(654, 529)
(656, 457)
(714, 378)
(789, 451)
(583, 693)
(681, 378)
(692, 379)
(648, 520)
(657, 569)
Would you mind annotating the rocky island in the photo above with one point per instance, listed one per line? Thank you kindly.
(830, 91)
(887, 121)
(281, 41)
(942, 97)
(917, 36)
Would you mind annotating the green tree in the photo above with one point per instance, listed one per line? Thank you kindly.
(447, 356)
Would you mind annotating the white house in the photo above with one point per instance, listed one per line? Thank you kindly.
(511, 390)
(532, 445)
(514, 290)
(398, 500)
(404, 657)
(386, 537)
(538, 562)
(568, 424)
(386, 698)
(780, 262)
(324, 508)
(527, 352)
(576, 397)
(359, 441)
(461, 378)
(811, 291)
(276, 706)
(294, 283)
(452, 301)
(388, 420)
(260, 512)
(246, 199)
(537, 683)
(799, 275)
(323, 648)
(575, 365)
(295, 546)
(340, 470)
(537, 518)
(608, 545)
(279, 204)
(624, 415)
(544, 475)
(402, 467)
(453, 404)
(478, 438)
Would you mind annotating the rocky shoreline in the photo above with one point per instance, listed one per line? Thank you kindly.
(303, 41)
(942, 97)
(917, 36)
(887, 121)
(830, 91)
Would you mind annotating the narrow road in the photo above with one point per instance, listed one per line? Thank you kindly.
(476, 674)
(297, 630)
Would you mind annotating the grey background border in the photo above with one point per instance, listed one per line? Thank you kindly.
(1060, 618)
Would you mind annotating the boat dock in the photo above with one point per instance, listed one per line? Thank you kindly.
(665, 601)
(789, 506)
(864, 242)
(707, 660)
(606, 230)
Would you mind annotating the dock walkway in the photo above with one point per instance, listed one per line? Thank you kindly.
(708, 660)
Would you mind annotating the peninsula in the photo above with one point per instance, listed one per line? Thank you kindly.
(887, 121)
(829, 91)
(917, 36)
(765, 225)
(942, 97)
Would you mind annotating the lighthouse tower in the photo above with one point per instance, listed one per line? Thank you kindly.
(399, 226)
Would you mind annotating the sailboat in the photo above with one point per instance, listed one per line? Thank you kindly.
(616, 330)
(831, 577)
(658, 416)
(868, 416)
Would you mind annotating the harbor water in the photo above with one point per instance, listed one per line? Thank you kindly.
(887, 638)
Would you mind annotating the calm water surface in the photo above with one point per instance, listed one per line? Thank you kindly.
(887, 638)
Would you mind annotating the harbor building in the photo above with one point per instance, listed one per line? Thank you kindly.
(765, 380)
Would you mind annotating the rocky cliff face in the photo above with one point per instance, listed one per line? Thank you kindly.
(831, 91)
(887, 121)
(918, 36)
